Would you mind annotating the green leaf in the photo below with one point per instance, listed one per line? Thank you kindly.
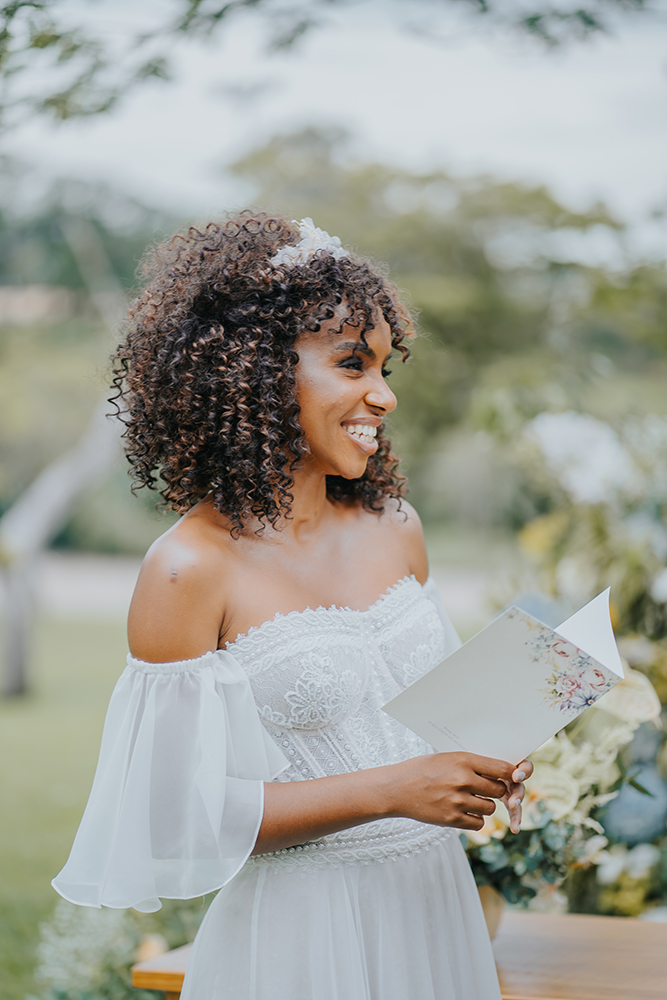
(639, 787)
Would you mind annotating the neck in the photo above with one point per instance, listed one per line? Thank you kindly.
(310, 505)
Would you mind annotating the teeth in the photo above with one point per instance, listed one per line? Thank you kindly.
(363, 432)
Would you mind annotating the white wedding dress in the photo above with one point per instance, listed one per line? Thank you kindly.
(384, 911)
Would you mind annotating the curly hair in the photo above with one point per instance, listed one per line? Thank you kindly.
(205, 377)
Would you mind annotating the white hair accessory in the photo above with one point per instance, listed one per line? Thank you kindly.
(312, 240)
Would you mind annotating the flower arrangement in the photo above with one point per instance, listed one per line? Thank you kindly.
(576, 773)
(602, 491)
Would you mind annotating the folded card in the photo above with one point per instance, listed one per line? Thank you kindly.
(515, 684)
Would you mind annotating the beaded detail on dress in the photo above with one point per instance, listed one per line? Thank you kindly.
(319, 678)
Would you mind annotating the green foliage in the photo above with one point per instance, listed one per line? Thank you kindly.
(520, 863)
(33, 246)
(509, 322)
(83, 70)
(53, 369)
(485, 266)
(47, 391)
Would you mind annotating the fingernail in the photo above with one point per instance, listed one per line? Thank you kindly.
(520, 775)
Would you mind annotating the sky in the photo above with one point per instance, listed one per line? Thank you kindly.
(590, 121)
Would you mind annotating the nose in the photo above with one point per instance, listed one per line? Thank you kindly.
(380, 396)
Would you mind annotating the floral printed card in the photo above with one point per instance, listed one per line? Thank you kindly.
(515, 684)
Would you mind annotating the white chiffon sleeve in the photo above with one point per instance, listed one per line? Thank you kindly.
(452, 640)
(178, 795)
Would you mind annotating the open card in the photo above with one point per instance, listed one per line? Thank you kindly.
(514, 684)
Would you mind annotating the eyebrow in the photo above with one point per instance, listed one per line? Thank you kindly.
(357, 346)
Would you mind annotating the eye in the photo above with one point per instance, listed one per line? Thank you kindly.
(352, 363)
(386, 372)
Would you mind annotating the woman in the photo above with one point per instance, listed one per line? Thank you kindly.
(267, 629)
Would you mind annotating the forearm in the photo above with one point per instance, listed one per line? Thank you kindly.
(445, 789)
(298, 811)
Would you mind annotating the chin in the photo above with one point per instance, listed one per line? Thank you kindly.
(349, 473)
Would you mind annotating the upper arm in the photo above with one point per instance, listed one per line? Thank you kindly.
(405, 522)
(178, 601)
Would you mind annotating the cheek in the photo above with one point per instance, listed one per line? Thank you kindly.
(321, 400)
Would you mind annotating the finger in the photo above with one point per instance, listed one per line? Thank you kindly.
(491, 767)
(488, 787)
(522, 770)
(515, 818)
(514, 810)
(478, 805)
(515, 794)
(470, 823)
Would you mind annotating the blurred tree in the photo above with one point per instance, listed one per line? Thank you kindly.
(39, 512)
(34, 249)
(55, 60)
(48, 386)
(484, 263)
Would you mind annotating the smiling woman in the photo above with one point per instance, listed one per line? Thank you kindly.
(245, 747)
(209, 349)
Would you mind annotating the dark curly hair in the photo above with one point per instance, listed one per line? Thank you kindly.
(204, 379)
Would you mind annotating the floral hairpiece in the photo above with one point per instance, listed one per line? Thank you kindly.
(312, 240)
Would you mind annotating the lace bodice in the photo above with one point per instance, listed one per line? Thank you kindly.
(177, 800)
(320, 678)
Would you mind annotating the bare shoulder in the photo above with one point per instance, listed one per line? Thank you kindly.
(177, 604)
(400, 526)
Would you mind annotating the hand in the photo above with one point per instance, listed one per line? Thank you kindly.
(516, 792)
(457, 789)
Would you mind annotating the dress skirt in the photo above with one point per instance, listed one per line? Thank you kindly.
(406, 928)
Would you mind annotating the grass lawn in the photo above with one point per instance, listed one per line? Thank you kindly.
(48, 750)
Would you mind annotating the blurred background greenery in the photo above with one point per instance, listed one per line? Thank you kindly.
(532, 424)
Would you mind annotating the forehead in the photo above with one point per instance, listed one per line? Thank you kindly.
(332, 337)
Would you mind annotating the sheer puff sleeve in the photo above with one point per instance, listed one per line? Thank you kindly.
(178, 795)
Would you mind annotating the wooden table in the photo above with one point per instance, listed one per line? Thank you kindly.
(539, 957)
(163, 973)
(575, 957)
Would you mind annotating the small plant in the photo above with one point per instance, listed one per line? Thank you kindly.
(87, 953)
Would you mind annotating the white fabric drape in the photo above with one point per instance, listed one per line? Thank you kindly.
(177, 799)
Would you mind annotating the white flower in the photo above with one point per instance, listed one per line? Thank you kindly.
(659, 588)
(550, 788)
(585, 454)
(647, 439)
(633, 699)
(611, 864)
(641, 859)
(495, 827)
(549, 752)
(637, 650)
(79, 942)
(312, 241)
(637, 863)
(593, 850)
(549, 899)
(575, 578)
